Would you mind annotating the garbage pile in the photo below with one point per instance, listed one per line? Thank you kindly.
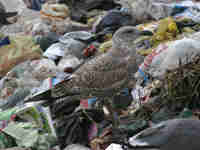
(99, 74)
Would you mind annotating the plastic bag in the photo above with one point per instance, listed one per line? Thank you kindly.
(149, 10)
(40, 29)
(114, 147)
(191, 10)
(72, 45)
(78, 35)
(4, 41)
(114, 20)
(27, 75)
(54, 51)
(32, 113)
(69, 61)
(167, 30)
(45, 41)
(54, 11)
(167, 56)
(183, 49)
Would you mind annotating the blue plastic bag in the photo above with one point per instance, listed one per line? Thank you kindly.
(4, 41)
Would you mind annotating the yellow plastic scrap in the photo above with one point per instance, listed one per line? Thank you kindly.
(108, 37)
(167, 30)
(104, 47)
(188, 30)
(148, 26)
(91, 21)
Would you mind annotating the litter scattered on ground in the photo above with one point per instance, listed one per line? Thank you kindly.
(99, 74)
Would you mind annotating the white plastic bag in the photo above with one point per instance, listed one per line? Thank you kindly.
(69, 61)
(114, 147)
(54, 51)
(167, 56)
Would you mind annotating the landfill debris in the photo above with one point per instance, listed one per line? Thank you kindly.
(34, 4)
(5, 15)
(20, 124)
(81, 122)
(150, 10)
(72, 43)
(40, 29)
(167, 56)
(4, 41)
(191, 10)
(26, 76)
(99, 74)
(114, 20)
(167, 30)
(54, 11)
(105, 46)
(172, 91)
(46, 40)
(20, 49)
(79, 9)
(54, 52)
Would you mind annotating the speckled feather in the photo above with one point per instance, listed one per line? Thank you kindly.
(105, 74)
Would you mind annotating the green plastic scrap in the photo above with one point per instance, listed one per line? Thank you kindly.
(186, 113)
(6, 115)
(32, 114)
(23, 137)
(6, 141)
(27, 136)
(45, 141)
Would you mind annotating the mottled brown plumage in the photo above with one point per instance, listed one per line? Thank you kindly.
(104, 75)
